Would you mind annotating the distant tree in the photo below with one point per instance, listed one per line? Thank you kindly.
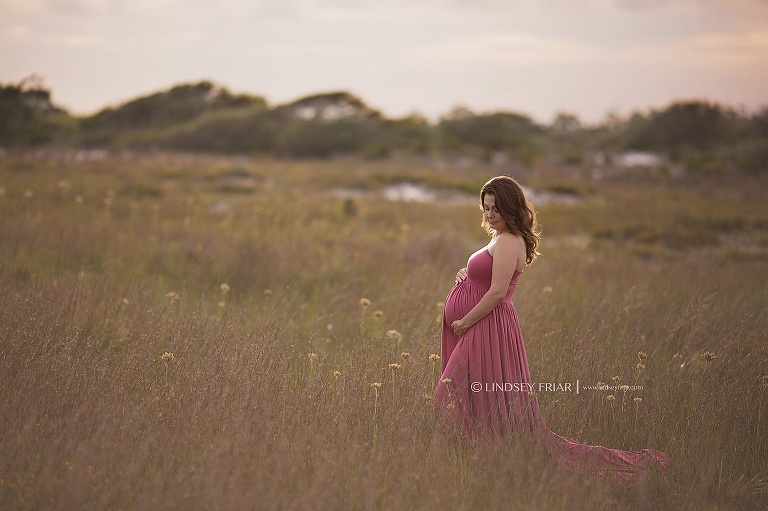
(493, 132)
(759, 122)
(234, 131)
(566, 122)
(179, 104)
(330, 106)
(27, 115)
(318, 138)
(689, 124)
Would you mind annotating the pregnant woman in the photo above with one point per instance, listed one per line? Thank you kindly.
(485, 386)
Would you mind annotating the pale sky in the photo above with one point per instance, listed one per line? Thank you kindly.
(536, 57)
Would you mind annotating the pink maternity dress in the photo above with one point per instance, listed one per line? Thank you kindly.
(490, 354)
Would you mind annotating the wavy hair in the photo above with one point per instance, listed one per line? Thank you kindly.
(516, 210)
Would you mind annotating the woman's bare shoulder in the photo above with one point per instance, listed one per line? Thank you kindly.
(511, 245)
(510, 240)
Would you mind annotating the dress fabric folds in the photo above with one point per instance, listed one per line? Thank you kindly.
(484, 385)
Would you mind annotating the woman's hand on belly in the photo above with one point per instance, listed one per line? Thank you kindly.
(461, 275)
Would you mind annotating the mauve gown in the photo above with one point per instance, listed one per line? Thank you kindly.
(492, 352)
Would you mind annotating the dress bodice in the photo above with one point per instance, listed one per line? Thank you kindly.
(479, 271)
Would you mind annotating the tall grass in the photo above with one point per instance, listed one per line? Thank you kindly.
(268, 399)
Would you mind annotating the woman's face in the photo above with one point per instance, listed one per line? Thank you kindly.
(492, 214)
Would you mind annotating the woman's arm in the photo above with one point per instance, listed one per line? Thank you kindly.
(504, 264)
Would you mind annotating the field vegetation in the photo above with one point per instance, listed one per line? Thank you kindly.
(189, 332)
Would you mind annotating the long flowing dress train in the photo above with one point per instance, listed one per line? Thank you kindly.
(485, 386)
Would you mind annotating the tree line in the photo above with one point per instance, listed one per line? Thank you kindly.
(204, 117)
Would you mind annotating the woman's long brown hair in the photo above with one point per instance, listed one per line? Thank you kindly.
(516, 210)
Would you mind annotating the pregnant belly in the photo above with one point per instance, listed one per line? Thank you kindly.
(460, 300)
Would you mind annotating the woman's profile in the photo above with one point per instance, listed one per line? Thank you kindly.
(485, 387)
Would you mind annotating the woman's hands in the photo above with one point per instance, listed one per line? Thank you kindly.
(459, 328)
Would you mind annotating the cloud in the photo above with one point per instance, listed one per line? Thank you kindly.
(16, 31)
(502, 48)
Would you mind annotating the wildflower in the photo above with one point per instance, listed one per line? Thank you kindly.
(708, 356)
(312, 356)
(764, 380)
(224, 288)
(641, 355)
(434, 357)
(167, 358)
(547, 289)
(173, 296)
(376, 385)
(222, 304)
(440, 305)
(616, 379)
(446, 380)
(395, 367)
(640, 366)
(405, 355)
(393, 334)
(610, 397)
(624, 388)
(124, 301)
(378, 314)
(638, 400)
(267, 292)
(329, 327)
(79, 199)
(601, 385)
(336, 374)
(427, 397)
(28, 194)
(365, 303)
(450, 406)
(64, 185)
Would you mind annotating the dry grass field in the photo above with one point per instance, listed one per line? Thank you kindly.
(181, 332)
